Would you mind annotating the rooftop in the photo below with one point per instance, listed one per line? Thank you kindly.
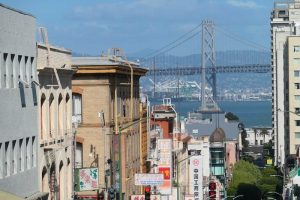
(106, 65)
(16, 10)
(217, 136)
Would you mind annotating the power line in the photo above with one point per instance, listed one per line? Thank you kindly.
(169, 49)
(156, 52)
(242, 40)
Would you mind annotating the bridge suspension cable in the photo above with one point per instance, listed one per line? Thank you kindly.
(238, 38)
(167, 47)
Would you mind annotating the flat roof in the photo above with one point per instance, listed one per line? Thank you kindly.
(105, 65)
(16, 10)
(100, 60)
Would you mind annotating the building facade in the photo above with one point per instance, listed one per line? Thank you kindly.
(256, 136)
(55, 121)
(19, 106)
(293, 46)
(109, 103)
(285, 19)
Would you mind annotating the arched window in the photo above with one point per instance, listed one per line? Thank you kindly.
(69, 179)
(61, 180)
(60, 115)
(45, 182)
(67, 112)
(43, 111)
(51, 115)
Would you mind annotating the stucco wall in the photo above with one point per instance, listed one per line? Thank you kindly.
(18, 105)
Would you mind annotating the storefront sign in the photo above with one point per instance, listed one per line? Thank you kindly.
(86, 179)
(164, 147)
(149, 179)
(196, 177)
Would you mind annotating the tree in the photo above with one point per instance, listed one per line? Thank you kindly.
(245, 143)
(264, 132)
(297, 191)
(255, 132)
(231, 117)
(243, 173)
(249, 191)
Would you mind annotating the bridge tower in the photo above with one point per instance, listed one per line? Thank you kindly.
(208, 58)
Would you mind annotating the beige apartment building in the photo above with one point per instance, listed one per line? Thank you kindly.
(285, 19)
(105, 100)
(294, 92)
(55, 124)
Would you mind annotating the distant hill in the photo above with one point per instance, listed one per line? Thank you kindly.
(223, 58)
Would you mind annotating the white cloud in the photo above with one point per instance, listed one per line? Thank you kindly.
(242, 3)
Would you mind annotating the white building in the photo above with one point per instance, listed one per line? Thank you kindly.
(55, 120)
(200, 148)
(255, 136)
(18, 104)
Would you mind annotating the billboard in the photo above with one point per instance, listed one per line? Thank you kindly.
(164, 147)
(86, 179)
(149, 179)
(196, 177)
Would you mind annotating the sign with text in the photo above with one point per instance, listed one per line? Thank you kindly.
(86, 179)
(149, 179)
(142, 197)
(196, 177)
(164, 147)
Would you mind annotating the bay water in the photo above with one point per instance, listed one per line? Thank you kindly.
(251, 113)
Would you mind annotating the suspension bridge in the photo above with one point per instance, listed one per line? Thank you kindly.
(205, 50)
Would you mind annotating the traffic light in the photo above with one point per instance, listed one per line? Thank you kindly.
(147, 192)
(212, 193)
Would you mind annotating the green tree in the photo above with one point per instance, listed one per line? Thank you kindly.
(243, 173)
(297, 191)
(231, 117)
(255, 132)
(249, 191)
(245, 143)
(264, 132)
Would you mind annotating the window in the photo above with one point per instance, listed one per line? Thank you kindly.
(33, 151)
(27, 154)
(297, 135)
(296, 48)
(1, 161)
(297, 97)
(297, 110)
(4, 68)
(296, 61)
(281, 12)
(297, 122)
(14, 158)
(77, 107)
(297, 86)
(21, 155)
(6, 159)
(297, 73)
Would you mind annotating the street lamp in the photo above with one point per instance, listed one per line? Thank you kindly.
(177, 167)
(120, 153)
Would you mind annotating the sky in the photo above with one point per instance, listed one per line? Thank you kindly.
(93, 26)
